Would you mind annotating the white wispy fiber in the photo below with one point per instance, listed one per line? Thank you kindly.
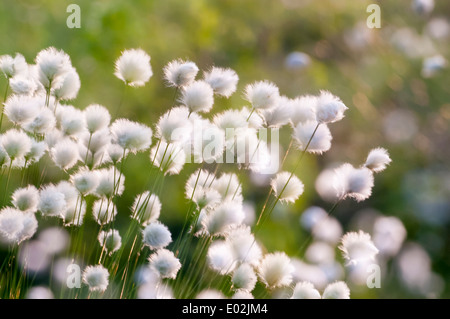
(389, 234)
(231, 121)
(42, 123)
(358, 247)
(242, 294)
(327, 229)
(133, 67)
(156, 235)
(280, 115)
(219, 220)
(179, 73)
(305, 290)
(377, 160)
(111, 240)
(22, 84)
(85, 180)
(51, 201)
(329, 108)
(262, 95)
(37, 150)
(65, 154)
(174, 125)
(26, 199)
(146, 208)
(198, 189)
(12, 67)
(110, 182)
(320, 142)
(71, 120)
(130, 135)
(52, 64)
(16, 143)
(243, 245)
(69, 87)
(21, 109)
(275, 270)
(287, 187)
(97, 117)
(96, 277)
(68, 190)
(15, 226)
(336, 290)
(115, 152)
(228, 186)
(165, 263)
(244, 277)
(222, 80)
(208, 142)
(220, 257)
(169, 158)
(198, 97)
(103, 211)
(74, 213)
(353, 182)
(303, 109)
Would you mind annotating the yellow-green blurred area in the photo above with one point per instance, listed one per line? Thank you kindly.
(394, 102)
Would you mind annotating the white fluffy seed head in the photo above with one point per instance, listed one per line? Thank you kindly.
(223, 81)
(165, 263)
(262, 95)
(353, 182)
(286, 187)
(42, 123)
(305, 290)
(327, 229)
(133, 67)
(156, 235)
(242, 294)
(96, 277)
(11, 225)
(336, 290)
(16, 143)
(219, 220)
(377, 160)
(110, 183)
(180, 73)
(243, 244)
(37, 150)
(111, 240)
(358, 247)
(74, 213)
(169, 158)
(51, 201)
(22, 84)
(198, 189)
(12, 67)
(26, 199)
(70, 120)
(275, 270)
(320, 142)
(230, 119)
(52, 64)
(86, 181)
(329, 108)
(303, 109)
(21, 109)
(198, 97)
(280, 115)
(103, 211)
(69, 87)
(115, 152)
(65, 154)
(68, 190)
(97, 117)
(210, 294)
(220, 257)
(174, 125)
(146, 208)
(244, 277)
(228, 186)
(39, 292)
(130, 135)
(388, 235)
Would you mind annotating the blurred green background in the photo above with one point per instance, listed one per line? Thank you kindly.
(376, 72)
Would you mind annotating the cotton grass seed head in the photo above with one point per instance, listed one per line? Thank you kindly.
(110, 182)
(353, 182)
(26, 199)
(336, 290)
(329, 108)
(320, 141)
(97, 117)
(12, 67)
(169, 158)
(21, 109)
(174, 125)
(358, 247)
(111, 240)
(133, 67)
(43, 122)
(69, 87)
(262, 95)
(21, 84)
(156, 235)
(65, 154)
(243, 244)
(103, 211)
(86, 181)
(131, 135)
(198, 97)
(165, 263)
(242, 294)
(389, 234)
(52, 64)
(244, 277)
(220, 257)
(222, 80)
(179, 73)
(16, 143)
(146, 208)
(377, 160)
(51, 201)
(287, 187)
(280, 115)
(11, 225)
(303, 109)
(275, 270)
(96, 277)
(71, 120)
(219, 220)
(305, 290)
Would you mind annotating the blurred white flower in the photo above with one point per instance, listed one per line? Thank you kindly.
(133, 67)
(377, 160)
(275, 270)
(336, 290)
(244, 277)
(353, 182)
(179, 73)
(222, 80)
(198, 97)
(287, 187)
(358, 247)
(305, 290)
(262, 95)
(130, 135)
(318, 136)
